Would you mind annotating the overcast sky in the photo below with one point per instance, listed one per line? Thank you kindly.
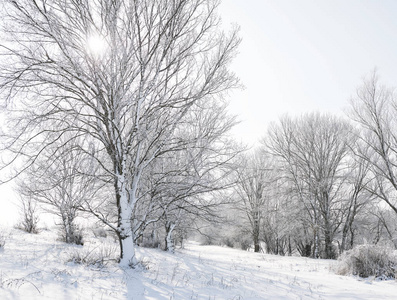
(300, 56)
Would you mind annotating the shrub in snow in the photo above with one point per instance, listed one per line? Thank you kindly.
(30, 218)
(96, 257)
(368, 260)
(241, 242)
(228, 241)
(207, 240)
(28, 227)
(244, 241)
(149, 239)
(77, 238)
(146, 243)
(72, 234)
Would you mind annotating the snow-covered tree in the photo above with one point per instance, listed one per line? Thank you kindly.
(185, 185)
(314, 149)
(254, 189)
(58, 183)
(121, 74)
(357, 197)
(374, 109)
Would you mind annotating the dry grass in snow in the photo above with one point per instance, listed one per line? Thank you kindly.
(40, 267)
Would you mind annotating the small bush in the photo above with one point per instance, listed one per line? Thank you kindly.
(78, 238)
(228, 242)
(74, 235)
(244, 243)
(97, 257)
(368, 260)
(242, 240)
(150, 244)
(149, 239)
(30, 217)
(207, 240)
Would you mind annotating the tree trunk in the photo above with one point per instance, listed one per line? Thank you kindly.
(328, 247)
(344, 239)
(124, 227)
(127, 252)
(346, 229)
(316, 245)
(127, 245)
(352, 235)
(169, 243)
(256, 236)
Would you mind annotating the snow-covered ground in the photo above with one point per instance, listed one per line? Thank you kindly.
(37, 267)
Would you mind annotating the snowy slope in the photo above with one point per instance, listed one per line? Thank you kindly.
(37, 267)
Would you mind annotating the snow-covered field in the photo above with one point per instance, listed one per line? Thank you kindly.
(37, 267)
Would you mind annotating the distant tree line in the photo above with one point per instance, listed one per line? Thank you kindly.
(320, 184)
